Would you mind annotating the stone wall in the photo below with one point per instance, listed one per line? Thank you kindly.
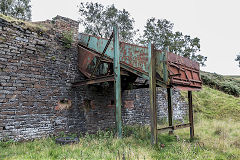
(36, 72)
(36, 96)
(136, 106)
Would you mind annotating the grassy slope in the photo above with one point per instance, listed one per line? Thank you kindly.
(212, 103)
(217, 131)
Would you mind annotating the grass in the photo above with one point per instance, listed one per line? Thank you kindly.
(215, 139)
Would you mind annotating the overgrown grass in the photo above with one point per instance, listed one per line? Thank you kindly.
(214, 140)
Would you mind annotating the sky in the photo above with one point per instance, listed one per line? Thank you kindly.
(215, 22)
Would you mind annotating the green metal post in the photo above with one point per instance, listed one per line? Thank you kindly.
(170, 109)
(152, 91)
(117, 84)
(165, 71)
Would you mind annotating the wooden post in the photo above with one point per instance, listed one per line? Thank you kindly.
(117, 84)
(170, 108)
(190, 114)
(152, 91)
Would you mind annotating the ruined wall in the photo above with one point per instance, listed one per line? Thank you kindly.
(35, 74)
(36, 96)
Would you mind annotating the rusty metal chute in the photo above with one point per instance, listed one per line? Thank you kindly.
(107, 60)
(171, 70)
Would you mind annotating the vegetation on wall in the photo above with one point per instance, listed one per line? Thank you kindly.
(67, 39)
(25, 24)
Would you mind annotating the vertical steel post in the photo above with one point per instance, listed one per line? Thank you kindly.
(170, 109)
(117, 84)
(152, 85)
(190, 114)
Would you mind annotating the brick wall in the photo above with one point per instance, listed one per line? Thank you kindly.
(36, 97)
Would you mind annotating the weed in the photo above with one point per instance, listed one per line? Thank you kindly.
(67, 39)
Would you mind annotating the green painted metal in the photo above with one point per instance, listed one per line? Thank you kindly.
(161, 67)
(165, 70)
(152, 90)
(117, 83)
(130, 55)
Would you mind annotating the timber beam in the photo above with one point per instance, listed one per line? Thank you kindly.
(190, 114)
(152, 91)
(94, 80)
(117, 82)
(172, 128)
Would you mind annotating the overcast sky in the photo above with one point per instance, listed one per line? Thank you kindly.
(215, 22)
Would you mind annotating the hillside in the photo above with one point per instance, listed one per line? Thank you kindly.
(227, 84)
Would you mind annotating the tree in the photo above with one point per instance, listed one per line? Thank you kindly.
(160, 32)
(99, 20)
(238, 59)
(20, 9)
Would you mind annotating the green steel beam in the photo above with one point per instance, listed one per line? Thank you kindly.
(165, 71)
(152, 85)
(117, 84)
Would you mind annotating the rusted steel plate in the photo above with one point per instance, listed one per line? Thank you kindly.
(183, 72)
(85, 58)
(87, 62)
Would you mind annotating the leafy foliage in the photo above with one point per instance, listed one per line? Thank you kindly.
(238, 59)
(228, 85)
(99, 20)
(20, 9)
(160, 32)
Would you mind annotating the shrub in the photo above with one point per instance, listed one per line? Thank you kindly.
(67, 39)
